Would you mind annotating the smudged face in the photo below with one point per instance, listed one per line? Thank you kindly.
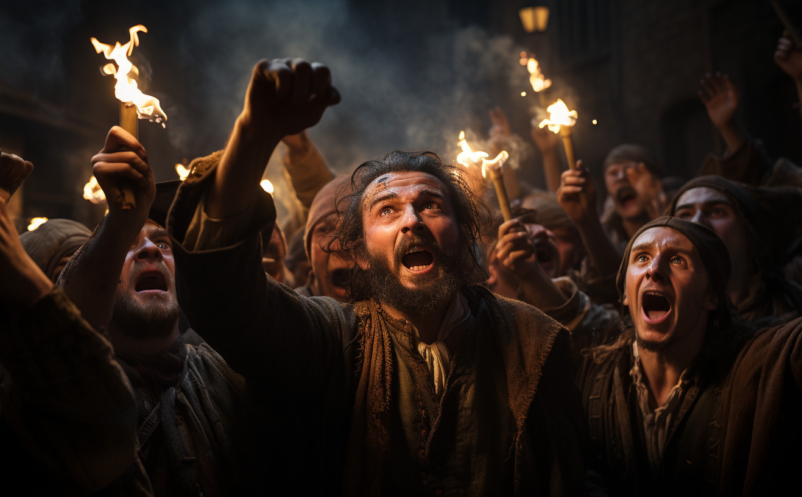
(715, 210)
(410, 228)
(145, 303)
(667, 289)
(620, 186)
(331, 268)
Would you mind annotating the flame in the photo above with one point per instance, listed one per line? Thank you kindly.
(266, 185)
(93, 192)
(182, 171)
(468, 156)
(36, 222)
(536, 78)
(559, 115)
(126, 89)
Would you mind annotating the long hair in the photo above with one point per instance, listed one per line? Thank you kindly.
(471, 214)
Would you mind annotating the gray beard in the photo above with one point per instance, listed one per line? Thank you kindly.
(143, 321)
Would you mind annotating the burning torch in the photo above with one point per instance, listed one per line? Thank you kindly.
(470, 158)
(561, 120)
(536, 77)
(134, 104)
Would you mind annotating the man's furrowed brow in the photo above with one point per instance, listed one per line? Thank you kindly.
(707, 203)
(432, 193)
(158, 233)
(380, 198)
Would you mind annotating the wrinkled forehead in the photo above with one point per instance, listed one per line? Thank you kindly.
(703, 195)
(402, 184)
(662, 238)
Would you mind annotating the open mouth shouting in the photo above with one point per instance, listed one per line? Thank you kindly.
(545, 257)
(151, 281)
(626, 196)
(655, 307)
(418, 260)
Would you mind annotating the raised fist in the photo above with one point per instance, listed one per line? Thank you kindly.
(13, 171)
(123, 164)
(22, 281)
(287, 96)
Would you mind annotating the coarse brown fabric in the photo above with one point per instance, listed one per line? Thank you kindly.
(749, 164)
(52, 241)
(737, 431)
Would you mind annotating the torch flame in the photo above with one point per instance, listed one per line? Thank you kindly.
(93, 192)
(126, 90)
(468, 156)
(266, 185)
(36, 222)
(536, 78)
(182, 171)
(559, 115)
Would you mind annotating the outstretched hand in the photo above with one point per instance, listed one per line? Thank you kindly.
(287, 96)
(22, 281)
(515, 250)
(123, 163)
(720, 97)
(577, 194)
(789, 57)
(500, 132)
(13, 171)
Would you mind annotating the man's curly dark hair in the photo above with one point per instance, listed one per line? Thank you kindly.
(471, 213)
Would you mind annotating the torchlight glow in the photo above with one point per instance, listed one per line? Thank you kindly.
(93, 192)
(559, 115)
(126, 90)
(536, 78)
(182, 171)
(36, 222)
(266, 185)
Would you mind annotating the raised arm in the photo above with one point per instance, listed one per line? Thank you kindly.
(548, 143)
(259, 326)
(721, 99)
(90, 279)
(577, 196)
(65, 403)
(307, 169)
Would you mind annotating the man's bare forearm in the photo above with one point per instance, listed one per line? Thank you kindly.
(236, 182)
(733, 137)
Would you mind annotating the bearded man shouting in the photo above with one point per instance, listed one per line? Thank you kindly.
(427, 384)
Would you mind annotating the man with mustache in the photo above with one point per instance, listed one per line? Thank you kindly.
(427, 384)
(197, 429)
(686, 402)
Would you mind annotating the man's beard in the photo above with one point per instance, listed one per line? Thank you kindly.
(388, 289)
(655, 345)
(149, 317)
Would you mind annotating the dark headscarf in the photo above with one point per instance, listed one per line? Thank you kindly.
(52, 241)
(712, 251)
(774, 215)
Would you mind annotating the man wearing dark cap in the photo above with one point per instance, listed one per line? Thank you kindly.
(196, 419)
(330, 269)
(685, 402)
(53, 243)
(761, 227)
(635, 195)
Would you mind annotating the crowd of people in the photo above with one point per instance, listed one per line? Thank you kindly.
(399, 337)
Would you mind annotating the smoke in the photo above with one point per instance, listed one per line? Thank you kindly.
(409, 79)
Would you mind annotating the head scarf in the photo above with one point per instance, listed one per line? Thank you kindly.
(629, 152)
(712, 251)
(52, 241)
(323, 206)
(773, 215)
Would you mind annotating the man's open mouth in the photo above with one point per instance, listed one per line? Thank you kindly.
(417, 260)
(341, 278)
(655, 306)
(151, 281)
(625, 194)
(545, 257)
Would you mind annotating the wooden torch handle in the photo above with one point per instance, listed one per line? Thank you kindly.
(129, 121)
